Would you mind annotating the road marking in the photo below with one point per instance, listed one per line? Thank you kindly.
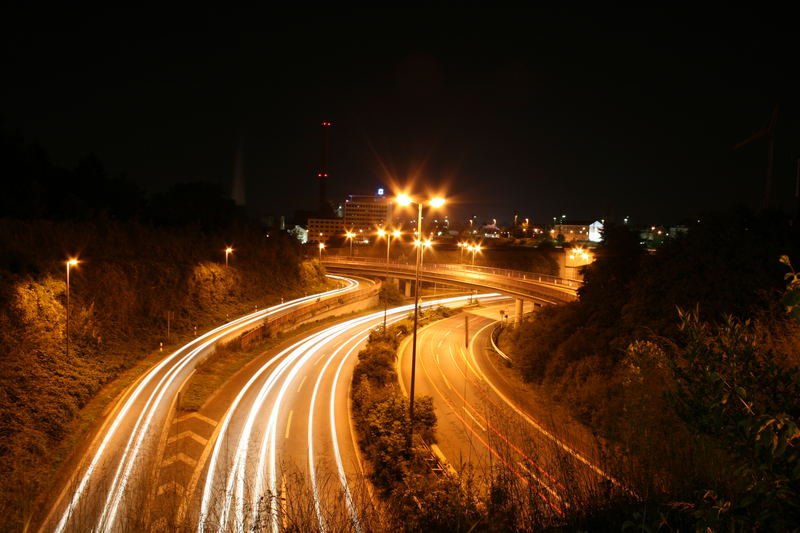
(179, 457)
(288, 424)
(302, 381)
(173, 487)
(190, 434)
(198, 416)
(473, 418)
(564, 446)
(436, 355)
(536, 478)
(446, 381)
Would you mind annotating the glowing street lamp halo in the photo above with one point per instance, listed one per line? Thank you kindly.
(404, 199)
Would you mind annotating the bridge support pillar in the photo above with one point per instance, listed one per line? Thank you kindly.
(408, 290)
(518, 314)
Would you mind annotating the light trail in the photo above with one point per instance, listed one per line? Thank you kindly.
(191, 353)
(292, 361)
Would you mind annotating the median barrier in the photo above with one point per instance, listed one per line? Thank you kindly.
(274, 324)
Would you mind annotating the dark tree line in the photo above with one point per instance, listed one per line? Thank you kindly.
(35, 188)
(626, 362)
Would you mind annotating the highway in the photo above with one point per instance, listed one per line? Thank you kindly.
(489, 423)
(285, 455)
(273, 449)
(526, 285)
(111, 488)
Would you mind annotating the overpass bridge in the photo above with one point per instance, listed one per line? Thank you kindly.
(540, 288)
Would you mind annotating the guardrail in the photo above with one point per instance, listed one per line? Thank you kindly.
(274, 324)
(433, 267)
(525, 284)
(496, 348)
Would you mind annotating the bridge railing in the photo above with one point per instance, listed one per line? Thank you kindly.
(434, 267)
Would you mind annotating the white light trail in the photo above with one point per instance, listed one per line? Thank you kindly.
(133, 446)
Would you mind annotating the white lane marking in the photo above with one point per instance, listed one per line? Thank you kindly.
(188, 434)
(536, 425)
(198, 416)
(288, 424)
(172, 487)
(447, 382)
(302, 381)
(182, 457)
(540, 481)
(237, 467)
(336, 452)
(198, 345)
(469, 414)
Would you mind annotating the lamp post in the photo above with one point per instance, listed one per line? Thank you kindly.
(461, 247)
(70, 263)
(404, 199)
(474, 248)
(383, 233)
(321, 247)
(228, 251)
(350, 236)
(424, 245)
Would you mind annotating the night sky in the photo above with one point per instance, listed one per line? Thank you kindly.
(588, 114)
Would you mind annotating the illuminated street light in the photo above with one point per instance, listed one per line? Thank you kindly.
(228, 251)
(70, 263)
(474, 248)
(579, 253)
(321, 247)
(383, 233)
(404, 199)
(425, 245)
(350, 236)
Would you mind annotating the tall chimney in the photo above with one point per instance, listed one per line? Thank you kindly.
(322, 175)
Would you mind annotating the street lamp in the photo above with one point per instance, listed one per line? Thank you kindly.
(70, 263)
(321, 247)
(228, 251)
(424, 245)
(350, 236)
(461, 247)
(474, 248)
(383, 233)
(404, 199)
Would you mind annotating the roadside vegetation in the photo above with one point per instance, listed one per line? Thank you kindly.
(415, 498)
(131, 280)
(685, 362)
(152, 270)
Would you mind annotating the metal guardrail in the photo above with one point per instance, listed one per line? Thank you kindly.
(433, 267)
(494, 345)
(542, 286)
(273, 324)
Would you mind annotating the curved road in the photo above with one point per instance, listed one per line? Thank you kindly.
(489, 422)
(285, 455)
(273, 449)
(111, 488)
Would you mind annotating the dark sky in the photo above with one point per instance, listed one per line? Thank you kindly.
(588, 114)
